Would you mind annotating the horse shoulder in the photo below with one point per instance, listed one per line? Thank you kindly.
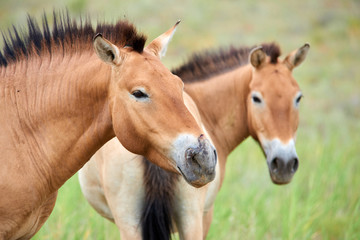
(25, 224)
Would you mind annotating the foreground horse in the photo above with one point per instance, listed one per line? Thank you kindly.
(60, 103)
(239, 94)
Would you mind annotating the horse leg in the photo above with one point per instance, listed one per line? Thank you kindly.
(129, 232)
(190, 226)
(207, 219)
(126, 212)
(124, 192)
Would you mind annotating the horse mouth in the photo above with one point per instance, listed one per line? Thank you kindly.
(280, 179)
(277, 182)
(181, 172)
(196, 182)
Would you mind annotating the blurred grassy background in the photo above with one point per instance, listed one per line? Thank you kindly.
(323, 200)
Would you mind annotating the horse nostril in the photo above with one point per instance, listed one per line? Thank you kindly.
(192, 157)
(293, 165)
(190, 154)
(274, 165)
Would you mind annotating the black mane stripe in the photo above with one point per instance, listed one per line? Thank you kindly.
(66, 34)
(204, 65)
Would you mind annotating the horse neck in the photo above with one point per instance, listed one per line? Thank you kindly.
(222, 104)
(61, 112)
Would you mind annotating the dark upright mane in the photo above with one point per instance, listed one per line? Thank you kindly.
(66, 34)
(201, 66)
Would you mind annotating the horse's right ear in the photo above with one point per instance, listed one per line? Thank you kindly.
(159, 45)
(295, 58)
(257, 57)
(107, 51)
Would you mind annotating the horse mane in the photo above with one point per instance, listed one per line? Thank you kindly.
(158, 210)
(66, 34)
(209, 63)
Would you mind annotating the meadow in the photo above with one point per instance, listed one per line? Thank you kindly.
(323, 200)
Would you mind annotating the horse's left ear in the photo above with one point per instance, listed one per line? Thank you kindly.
(107, 51)
(159, 45)
(295, 58)
(257, 57)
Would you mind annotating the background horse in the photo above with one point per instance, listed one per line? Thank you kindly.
(60, 102)
(239, 94)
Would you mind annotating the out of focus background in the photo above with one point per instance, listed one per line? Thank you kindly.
(323, 200)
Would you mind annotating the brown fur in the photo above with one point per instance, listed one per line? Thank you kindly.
(229, 113)
(66, 35)
(207, 64)
(61, 102)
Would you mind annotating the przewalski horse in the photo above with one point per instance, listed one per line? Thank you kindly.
(239, 93)
(61, 101)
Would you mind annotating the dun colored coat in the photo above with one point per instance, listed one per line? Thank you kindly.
(239, 93)
(63, 95)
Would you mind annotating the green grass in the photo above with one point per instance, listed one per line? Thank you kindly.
(323, 200)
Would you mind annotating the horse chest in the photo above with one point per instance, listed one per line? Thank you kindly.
(23, 224)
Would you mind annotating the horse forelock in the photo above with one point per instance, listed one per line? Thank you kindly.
(209, 63)
(66, 34)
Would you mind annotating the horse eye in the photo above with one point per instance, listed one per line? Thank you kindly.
(256, 99)
(298, 99)
(139, 94)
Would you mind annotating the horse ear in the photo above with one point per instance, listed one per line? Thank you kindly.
(107, 51)
(295, 58)
(257, 57)
(159, 45)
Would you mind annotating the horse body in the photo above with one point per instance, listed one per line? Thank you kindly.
(120, 195)
(60, 103)
(34, 142)
(116, 188)
(258, 99)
